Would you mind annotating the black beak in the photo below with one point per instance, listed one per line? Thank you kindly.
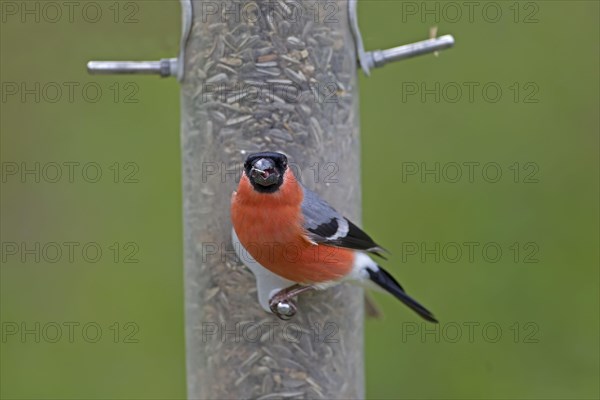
(264, 173)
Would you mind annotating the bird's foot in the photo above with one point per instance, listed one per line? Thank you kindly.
(285, 309)
(282, 305)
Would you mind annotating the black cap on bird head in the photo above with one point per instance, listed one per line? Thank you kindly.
(265, 170)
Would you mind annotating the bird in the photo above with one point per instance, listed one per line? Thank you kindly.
(295, 234)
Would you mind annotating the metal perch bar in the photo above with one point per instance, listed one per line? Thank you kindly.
(165, 67)
(373, 59)
(379, 58)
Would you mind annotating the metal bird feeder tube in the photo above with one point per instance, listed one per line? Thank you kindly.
(270, 80)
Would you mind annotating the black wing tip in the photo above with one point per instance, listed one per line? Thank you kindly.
(429, 317)
(419, 309)
(377, 252)
(386, 281)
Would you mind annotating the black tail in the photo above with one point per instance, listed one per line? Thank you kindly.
(383, 279)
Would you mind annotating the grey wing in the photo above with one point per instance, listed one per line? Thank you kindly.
(325, 225)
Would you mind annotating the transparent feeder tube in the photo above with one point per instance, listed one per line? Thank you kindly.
(260, 76)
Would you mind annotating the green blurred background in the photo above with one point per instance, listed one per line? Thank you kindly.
(548, 311)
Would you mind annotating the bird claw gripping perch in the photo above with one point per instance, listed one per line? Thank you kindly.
(283, 309)
(281, 303)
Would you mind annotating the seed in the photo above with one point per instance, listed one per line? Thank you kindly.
(222, 77)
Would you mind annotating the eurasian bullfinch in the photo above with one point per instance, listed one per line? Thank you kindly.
(293, 233)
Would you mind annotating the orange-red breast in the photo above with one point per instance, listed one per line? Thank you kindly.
(292, 232)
